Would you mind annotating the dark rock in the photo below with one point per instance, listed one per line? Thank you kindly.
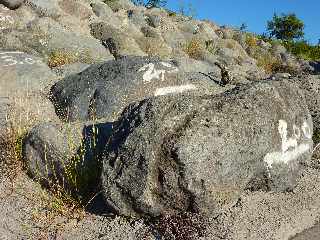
(12, 4)
(103, 91)
(310, 84)
(315, 66)
(199, 153)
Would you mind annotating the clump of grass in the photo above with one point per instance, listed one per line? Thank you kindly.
(60, 58)
(269, 63)
(211, 46)
(155, 47)
(50, 205)
(194, 48)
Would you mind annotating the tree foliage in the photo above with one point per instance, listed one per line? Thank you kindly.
(286, 27)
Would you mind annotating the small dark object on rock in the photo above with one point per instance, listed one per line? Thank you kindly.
(111, 45)
(225, 77)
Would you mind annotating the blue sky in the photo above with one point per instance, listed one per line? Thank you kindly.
(256, 13)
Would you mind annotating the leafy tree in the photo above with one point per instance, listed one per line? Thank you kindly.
(286, 27)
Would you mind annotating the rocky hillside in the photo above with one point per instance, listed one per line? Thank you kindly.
(124, 122)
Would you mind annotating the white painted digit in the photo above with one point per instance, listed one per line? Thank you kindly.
(152, 73)
(296, 131)
(286, 142)
(306, 130)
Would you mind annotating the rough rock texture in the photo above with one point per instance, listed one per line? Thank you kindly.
(310, 84)
(66, 35)
(104, 90)
(48, 8)
(21, 72)
(201, 153)
(127, 45)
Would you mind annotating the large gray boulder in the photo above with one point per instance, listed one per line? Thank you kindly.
(22, 72)
(12, 4)
(199, 153)
(24, 83)
(123, 37)
(104, 90)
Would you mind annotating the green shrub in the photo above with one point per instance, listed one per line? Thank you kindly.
(303, 49)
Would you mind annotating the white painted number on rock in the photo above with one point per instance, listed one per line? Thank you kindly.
(10, 59)
(152, 73)
(290, 149)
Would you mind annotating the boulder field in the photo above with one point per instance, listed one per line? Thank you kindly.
(127, 111)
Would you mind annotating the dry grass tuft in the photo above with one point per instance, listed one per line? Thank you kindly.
(195, 49)
(48, 206)
(251, 41)
(60, 58)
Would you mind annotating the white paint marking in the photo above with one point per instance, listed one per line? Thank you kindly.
(306, 130)
(290, 150)
(174, 89)
(286, 143)
(296, 131)
(286, 157)
(153, 73)
(11, 52)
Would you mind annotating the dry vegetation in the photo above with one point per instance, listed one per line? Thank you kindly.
(47, 206)
(195, 49)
